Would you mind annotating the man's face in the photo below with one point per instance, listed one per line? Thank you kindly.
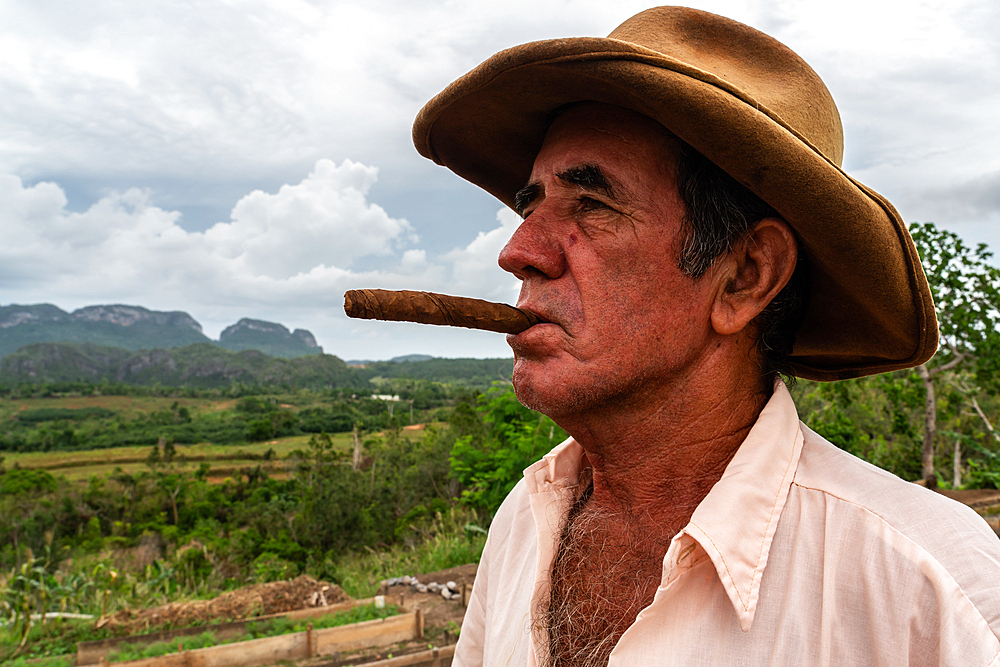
(597, 257)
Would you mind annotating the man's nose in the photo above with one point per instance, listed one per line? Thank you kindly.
(533, 250)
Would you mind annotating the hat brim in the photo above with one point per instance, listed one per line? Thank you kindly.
(870, 309)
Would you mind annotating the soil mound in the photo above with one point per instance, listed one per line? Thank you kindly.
(256, 600)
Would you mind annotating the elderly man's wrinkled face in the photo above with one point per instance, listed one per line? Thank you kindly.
(597, 257)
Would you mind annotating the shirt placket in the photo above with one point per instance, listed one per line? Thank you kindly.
(684, 553)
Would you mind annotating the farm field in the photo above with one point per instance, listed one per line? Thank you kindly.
(87, 462)
(225, 460)
(114, 503)
(126, 406)
(53, 432)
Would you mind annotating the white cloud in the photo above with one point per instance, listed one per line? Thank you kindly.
(288, 256)
(475, 269)
(325, 218)
(142, 110)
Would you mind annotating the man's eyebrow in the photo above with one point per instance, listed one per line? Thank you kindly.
(588, 177)
(525, 196)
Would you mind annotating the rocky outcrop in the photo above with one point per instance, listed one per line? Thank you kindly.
(247, 324)
(127, 316)
(42, 313)
(269, 337)
(117, 325)
(14, 314)
(306, 337)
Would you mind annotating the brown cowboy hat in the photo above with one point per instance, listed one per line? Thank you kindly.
(754, 108)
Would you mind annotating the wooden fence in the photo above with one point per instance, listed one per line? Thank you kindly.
(90, 653)
(299, 645)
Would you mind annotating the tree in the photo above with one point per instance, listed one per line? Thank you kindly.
(495, 443)
(172, 485)
(966, 291)
(21, 490)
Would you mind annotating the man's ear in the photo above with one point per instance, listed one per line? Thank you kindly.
(752, 274)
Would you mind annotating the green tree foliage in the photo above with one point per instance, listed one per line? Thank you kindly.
(253, 522)
(966, 291)
(27, 482)
(52, 414)
(875, 418)
(495, 443)
(336, 511)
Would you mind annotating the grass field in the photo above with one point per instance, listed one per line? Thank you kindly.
(81, 465)
(137, 454)
(225, 459)
(127, 406)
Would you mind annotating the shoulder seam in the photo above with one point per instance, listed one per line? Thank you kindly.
(895, 530)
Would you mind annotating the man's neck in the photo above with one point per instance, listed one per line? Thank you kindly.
(661, 457)
(648, 472)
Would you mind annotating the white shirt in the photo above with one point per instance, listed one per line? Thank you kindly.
(800, 555)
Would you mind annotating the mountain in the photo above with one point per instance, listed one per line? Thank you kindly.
(138, 328)
(129, 327)
(43, 312)
(268, 337)
(412, 357)
(468, 372)
(405, 357)
(201, 365)
(205, 365)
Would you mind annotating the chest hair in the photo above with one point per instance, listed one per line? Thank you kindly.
(607, 568)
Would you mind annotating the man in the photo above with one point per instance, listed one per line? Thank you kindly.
(688, 235)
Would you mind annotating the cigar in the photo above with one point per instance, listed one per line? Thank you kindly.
(430, 308)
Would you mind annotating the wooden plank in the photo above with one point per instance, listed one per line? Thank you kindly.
(253, 652)
(436, 657)
(90, 653)
(312, 612)
(170, 660)
(380, 632)
(264, 651)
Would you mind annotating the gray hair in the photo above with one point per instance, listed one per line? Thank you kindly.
(720, 213)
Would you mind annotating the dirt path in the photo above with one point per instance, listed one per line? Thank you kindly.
(440, 615)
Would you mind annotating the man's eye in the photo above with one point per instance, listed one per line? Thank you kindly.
(589, 204)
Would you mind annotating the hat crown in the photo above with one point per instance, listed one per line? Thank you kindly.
(760, 67)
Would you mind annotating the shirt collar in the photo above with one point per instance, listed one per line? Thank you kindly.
(734, 524)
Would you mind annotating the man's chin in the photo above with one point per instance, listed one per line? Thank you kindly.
(540, 387)
(526, 384)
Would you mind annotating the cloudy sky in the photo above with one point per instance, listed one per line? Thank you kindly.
(252, 158)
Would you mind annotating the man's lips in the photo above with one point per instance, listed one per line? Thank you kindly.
(535, 334)
(543, 316)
